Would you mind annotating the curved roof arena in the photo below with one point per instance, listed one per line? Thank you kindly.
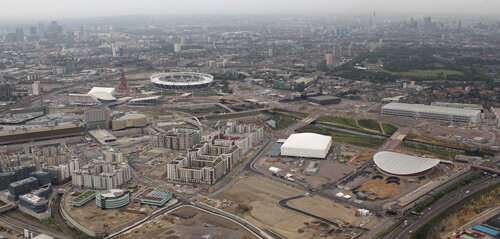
(403, 164)
(307, 145)
(181, 80)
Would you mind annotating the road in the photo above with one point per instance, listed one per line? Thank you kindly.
(414, 222)
(19, 226)
(284, 203)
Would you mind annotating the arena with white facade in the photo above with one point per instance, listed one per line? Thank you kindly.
(432, 112)
(403, 164)
(307, 145)
(182, 80)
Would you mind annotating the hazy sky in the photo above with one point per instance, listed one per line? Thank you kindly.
(36, 9)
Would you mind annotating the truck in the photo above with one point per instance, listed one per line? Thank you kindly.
(274, 170)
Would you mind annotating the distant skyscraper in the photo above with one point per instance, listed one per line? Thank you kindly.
(329, 59)
(36, 88)
(427, 22)
(113, 49)
(32, 30)
(334, 52)
(68, 64)
(177, 47)
(41, 30)
(270, 52)
(19, 34)
(349, 50)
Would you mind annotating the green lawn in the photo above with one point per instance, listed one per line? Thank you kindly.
(339, 120)
(370, 124)
(343, 137)
(281, 121)
(423, 149)
(389, 129)
(422, 73)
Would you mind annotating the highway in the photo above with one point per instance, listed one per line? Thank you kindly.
(414, 222)
(19, 226)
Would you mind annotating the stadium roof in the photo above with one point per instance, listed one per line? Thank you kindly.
(109, 90)
(307, 145)
(403, 164)
(101, 95)
(431, 109)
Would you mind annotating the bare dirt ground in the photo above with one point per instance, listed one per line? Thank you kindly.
(256, 200)
(325, 208)
(94, 218)
(381, 189)
(188, 222)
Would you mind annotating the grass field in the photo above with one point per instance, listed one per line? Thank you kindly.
(367, 126)
(281, 121)
(343, 137)
(422, 73)
(370, 124)
(423, 149)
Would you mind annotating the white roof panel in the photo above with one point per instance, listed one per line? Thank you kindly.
(403, 164)
(307, 145)
(431, 109)
(109, 90)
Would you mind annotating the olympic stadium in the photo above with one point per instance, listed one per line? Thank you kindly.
(182, 80)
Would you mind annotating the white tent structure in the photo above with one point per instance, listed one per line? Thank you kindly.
(307, 145)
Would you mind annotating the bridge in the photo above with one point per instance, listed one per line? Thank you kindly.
(7, 207)
(486, 168)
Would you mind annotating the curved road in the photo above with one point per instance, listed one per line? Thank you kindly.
(284, 203)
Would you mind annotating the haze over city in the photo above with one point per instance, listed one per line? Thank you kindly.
(265, 119)
(61, 9)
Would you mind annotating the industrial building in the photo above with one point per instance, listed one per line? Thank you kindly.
(42, 177)
(112, 199)
(458, 105)
(41, 133)
(82, 100)
(154, 197)
(403, 164)
(307, 145)
(21, 187)
(129, 121)
(432, 112)
(82, 199)
(97, 119)
(324, 100)
(102, 136)
(33, 203)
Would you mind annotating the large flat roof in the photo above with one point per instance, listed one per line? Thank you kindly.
(403, 164)
(431, 109)
(307, 145)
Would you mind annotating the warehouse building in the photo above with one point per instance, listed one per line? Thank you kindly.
(307, 145)
(154, 197)
(403, 164)
(324, 100)
(129, 121)
(33, 202)
(97, 119)
(432, 112)
(112, 199)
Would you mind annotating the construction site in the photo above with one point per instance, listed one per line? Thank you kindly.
(189, 222)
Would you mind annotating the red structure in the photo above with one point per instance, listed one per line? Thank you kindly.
(123, 83)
